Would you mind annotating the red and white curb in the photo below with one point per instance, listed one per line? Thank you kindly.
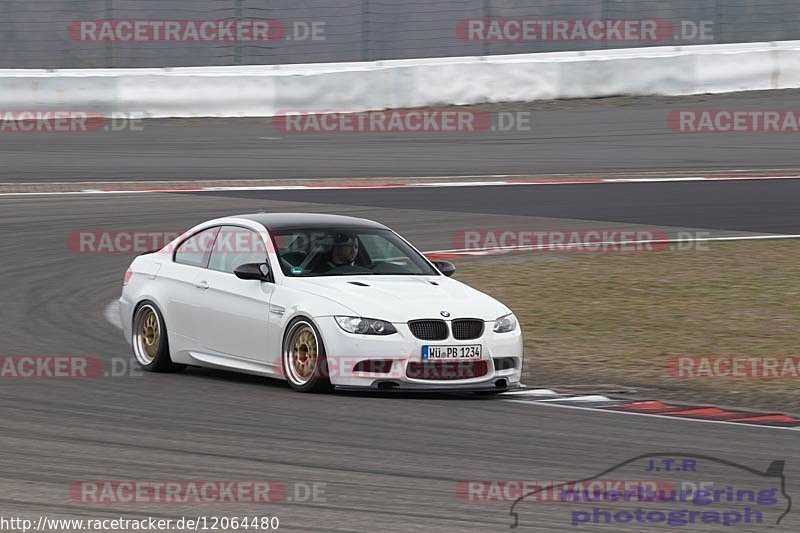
(653, 408)
(485, 181)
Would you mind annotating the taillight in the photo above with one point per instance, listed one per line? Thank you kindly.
(128, 276)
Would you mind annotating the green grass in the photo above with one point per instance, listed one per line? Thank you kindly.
(617, 317)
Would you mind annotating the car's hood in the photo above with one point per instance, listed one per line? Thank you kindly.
(403, 298)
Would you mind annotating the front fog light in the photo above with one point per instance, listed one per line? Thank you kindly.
(505, 323)
(365, 326)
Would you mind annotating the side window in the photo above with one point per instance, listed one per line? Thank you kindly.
(196, 250)
(237, 246)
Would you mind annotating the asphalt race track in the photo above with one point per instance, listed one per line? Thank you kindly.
(745, 206)
(388, 463)
(607, 135)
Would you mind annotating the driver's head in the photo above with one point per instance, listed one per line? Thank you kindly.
(345, 249)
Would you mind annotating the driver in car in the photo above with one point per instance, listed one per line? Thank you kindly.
(344, 251)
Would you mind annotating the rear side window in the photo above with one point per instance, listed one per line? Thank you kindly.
(196, 250)
(237, 246)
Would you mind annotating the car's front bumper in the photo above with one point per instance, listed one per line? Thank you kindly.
(501, 352)
(380, 386)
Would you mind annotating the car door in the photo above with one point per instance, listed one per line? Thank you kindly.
(232, 320)
(181, 281)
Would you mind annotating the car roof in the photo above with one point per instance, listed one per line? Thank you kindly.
(285, 221)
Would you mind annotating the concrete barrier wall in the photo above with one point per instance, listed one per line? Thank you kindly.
(252, 91)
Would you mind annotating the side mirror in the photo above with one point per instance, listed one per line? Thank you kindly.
(445, 267)
(256, 271)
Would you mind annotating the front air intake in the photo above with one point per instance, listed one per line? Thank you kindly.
(429, 330)
(465, 329)
(447, 370)
(504, 363)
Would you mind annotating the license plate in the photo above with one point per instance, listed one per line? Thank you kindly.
(451, 353)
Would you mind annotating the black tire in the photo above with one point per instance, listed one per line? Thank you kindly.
(317, 379)
(150, 341)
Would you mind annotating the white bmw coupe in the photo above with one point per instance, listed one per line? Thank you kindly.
(320, 301)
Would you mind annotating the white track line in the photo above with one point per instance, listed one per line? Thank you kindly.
(655, 180)
(609, 411)
(531, 392)
(579, 399)
(494, 181)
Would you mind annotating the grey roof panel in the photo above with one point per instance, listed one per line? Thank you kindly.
(283, 221)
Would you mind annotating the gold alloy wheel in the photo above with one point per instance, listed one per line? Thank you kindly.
(303, 353)
(148, 335)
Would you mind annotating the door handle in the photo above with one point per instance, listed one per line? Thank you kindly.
(201, 285)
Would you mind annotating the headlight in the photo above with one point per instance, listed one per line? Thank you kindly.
(505, 323)
(365, 326)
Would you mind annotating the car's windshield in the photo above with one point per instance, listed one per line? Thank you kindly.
(347, 252)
